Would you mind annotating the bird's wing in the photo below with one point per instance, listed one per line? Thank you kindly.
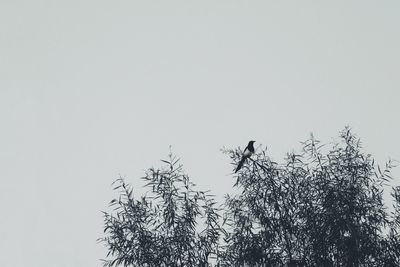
(246, 152)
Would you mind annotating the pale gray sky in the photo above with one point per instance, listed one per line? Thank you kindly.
(91, 89)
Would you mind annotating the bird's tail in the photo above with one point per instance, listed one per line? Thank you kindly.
(241, 162)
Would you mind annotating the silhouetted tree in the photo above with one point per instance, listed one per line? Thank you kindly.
(173, 225)
(320, 207)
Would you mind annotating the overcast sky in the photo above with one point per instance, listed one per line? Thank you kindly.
(90, 89)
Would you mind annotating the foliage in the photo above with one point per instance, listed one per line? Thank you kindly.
(162, 229)
(321, 207)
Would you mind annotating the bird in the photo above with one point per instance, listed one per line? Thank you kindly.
(247, 152)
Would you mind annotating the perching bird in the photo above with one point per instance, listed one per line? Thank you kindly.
(248, 151)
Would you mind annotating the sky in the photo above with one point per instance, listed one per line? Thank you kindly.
(94, 89)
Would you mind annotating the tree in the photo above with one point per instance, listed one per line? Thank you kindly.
(321, 207)
(174, 225)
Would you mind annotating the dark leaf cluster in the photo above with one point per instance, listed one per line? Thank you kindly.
(173, 225)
